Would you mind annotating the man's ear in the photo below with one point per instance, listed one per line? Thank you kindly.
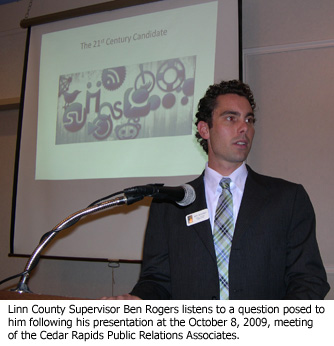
(203, 129)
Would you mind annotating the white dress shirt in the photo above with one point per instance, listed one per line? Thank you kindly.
(213, 189)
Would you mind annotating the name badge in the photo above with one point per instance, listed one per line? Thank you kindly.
(197, 217)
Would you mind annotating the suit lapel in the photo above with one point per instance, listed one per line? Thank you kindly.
(254, 198)
(203, 229)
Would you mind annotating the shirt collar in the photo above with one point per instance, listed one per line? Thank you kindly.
(238, 178)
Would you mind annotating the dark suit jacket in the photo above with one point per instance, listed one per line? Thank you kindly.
(274, 251)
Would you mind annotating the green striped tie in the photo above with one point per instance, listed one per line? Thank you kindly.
(222, 235)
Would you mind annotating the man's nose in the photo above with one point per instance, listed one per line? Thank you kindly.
(243, 126)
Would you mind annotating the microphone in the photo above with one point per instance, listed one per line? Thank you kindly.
(183, 195)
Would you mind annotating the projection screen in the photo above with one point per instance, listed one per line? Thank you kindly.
(109, 103)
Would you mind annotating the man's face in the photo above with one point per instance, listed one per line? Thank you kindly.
(231, 134)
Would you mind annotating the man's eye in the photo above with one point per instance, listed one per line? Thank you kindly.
(230, 118)
(250, 120)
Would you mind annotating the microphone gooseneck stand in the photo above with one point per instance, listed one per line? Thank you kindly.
(22, 286)
(182, 195)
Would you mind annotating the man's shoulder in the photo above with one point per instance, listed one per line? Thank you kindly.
(273, 184)
(266, 179)
(197, 180)
(275, 187)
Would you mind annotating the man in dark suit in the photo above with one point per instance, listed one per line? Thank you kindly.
(274, 252)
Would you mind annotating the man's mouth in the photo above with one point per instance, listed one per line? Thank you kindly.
(241, 142)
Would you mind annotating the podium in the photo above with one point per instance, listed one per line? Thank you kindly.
(10, 295)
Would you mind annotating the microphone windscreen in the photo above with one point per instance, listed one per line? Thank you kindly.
(189, 195)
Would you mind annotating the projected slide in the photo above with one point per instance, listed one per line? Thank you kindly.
(118, 98)
(109, 103)
(127, 102)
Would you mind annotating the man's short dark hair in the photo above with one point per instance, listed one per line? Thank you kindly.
(208, 103)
